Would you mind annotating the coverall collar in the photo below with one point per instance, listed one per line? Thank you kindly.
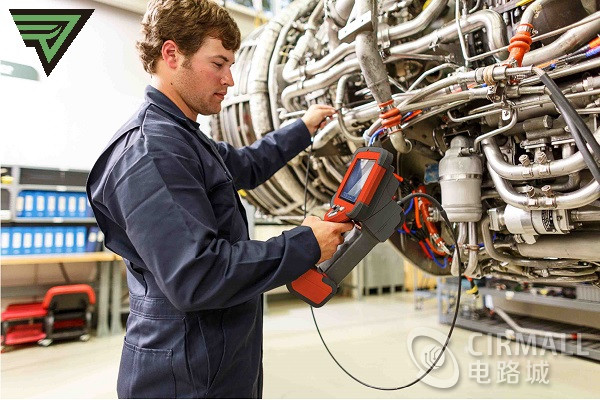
(158, 98)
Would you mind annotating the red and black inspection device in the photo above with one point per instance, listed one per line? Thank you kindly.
(365, 197)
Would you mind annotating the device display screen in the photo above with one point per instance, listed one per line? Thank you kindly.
(356, 180)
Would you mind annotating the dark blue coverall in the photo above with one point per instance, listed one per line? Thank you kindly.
(165, 197)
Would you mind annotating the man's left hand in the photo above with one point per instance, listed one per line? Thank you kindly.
(316, 117)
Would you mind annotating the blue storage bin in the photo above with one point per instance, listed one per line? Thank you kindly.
(51, 199)
(17, 241)
(48, 239)
(6, 240)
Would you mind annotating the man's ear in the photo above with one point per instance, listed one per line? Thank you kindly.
(170, 53)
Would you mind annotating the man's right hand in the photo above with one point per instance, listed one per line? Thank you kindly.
(328, 234)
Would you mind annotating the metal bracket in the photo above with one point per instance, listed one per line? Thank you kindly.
(364, 23)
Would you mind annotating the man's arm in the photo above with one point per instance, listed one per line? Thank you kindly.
(165, 210)
(254, 164)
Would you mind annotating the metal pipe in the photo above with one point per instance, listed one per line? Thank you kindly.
(462, 236)
(498, 131)
(490, 20)
(303, 43)
(572, 183)
(579, 245)
(575, 199)
(552, 169)
(369, 59)
(429, 72)
(507, 258)
(273, 82)
(339, 11)
(566, 43)
(585, 216)
(259, 70)
(551, 280)
(397, 32)
(571, 70)
(461, 37)
(555, 32)
(339, 101)
(473, 249)
(422, 21)
(527, 331)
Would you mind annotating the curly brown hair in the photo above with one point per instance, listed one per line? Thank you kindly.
(188, 23)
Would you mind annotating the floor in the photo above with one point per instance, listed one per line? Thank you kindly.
(368, 337)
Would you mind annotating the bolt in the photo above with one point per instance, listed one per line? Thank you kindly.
(530, 191)
(541, 158)
(547, 190)
(524, 160)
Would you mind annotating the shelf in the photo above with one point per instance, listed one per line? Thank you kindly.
(589, 348)
(29, 259)
(54, 220)
(5, 215)
(542, 300)
(53, 188)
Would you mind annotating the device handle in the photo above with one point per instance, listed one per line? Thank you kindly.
(357, 244)
(314, 287)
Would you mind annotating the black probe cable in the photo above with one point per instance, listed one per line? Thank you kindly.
(402, 201)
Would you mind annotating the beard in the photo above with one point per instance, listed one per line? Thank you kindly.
(199, 101)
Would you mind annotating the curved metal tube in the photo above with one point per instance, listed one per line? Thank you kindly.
(566, 43)
(339, 11)
(472, 264)
(460, 241)
(488, 19)
(408, 28)
(551, 169)
(370, 61)
(420, 22)
(303, 43)
(513, 122)
(495, 31)
(258, 76)
(575, 199)
(339, 101)
(504, 257)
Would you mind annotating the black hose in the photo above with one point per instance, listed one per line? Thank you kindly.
(565, 107)
(579, 130)
(581, 145)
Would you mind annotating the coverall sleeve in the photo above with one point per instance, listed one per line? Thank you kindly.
(164, 207)
(254, 164)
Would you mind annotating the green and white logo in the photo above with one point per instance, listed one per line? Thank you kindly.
(50, 32)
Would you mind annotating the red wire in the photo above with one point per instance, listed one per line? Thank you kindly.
(424, 249)
(417, 217)
(434, 249)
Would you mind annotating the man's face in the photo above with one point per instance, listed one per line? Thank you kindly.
(203, 78)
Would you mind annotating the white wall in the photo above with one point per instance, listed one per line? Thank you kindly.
(66, 119)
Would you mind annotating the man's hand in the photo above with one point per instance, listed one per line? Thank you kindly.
(316, 117)
(328, 234)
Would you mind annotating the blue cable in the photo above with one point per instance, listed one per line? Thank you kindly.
(410, 207)
(374, 137)
(434, 257)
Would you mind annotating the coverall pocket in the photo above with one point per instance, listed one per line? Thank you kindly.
(146, 373)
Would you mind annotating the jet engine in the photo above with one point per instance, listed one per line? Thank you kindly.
(490, 106)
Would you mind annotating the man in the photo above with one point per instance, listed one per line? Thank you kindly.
(165, 197)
